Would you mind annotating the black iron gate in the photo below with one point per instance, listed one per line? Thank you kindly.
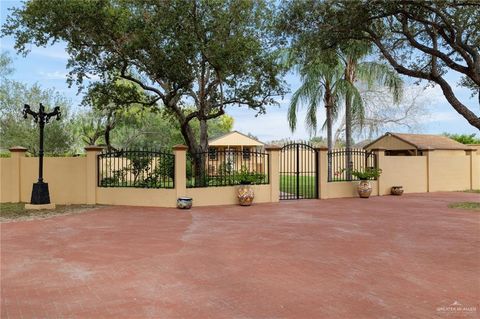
(298, 171)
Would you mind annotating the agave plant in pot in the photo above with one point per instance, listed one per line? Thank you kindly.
(246, 179)
(364, 187)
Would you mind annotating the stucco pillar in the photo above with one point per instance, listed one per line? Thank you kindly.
(180, 152)
(16, 155)
(474, 169)
(92, 173)
(429, 155)
(380, 153)
(274, 171)
(322, 170)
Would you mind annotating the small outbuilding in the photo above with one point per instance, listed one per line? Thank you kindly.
(401, 144)
(235, 141)
(234, 150)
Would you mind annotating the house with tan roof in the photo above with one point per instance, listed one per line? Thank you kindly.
(402, 144)
(234, 150)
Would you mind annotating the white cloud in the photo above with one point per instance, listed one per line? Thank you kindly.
(274, 124)
(57, 52)
(437, 117)
(62, 75)
(54, 75)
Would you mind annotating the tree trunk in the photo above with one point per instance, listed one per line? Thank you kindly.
(201, 162)
(329, 141)
(349, 77)
(198, 152)
(108, 129)
(329, 128)
(348, 136)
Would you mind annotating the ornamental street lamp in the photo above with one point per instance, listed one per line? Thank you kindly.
(40, 194)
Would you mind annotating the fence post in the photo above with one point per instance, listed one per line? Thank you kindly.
(92, 173)
(274, 171)
(322, 170)
(180, 152)
(474, 168)
(17, 152)
(380, 154)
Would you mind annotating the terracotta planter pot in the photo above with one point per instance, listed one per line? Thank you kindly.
(364, 189)
(245, 195)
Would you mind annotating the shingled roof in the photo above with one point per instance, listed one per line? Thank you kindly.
(426, 141)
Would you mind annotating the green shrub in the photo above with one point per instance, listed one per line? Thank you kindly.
(244, 176)
(368, 173)
(108, 182)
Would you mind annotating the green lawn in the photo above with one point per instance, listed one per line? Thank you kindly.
(476, 191)
(466, 205)
(17, 211)
(288, 184)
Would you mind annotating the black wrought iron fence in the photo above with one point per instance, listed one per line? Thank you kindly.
(136, 168)
(342, 162)
(227, 167)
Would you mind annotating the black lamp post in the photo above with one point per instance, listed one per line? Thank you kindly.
(40, 194)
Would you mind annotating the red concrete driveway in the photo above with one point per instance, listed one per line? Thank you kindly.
(385, 257)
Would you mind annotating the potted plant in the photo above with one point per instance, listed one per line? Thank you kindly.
(364, 187)
(246, 179)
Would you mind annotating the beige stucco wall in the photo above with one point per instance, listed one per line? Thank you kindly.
(450, 153)
(435, 171)
(136, 196)
(346, 189)
(225, 195)
(65, 177)
(7, 177)
(407, 171)
(74, 181)
(475, 167)
(448, 173)
(391, 143)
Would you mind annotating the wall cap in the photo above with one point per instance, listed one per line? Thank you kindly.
(179, 147)
(18, 149)
(321, 148)
(272, 147)
(92, 148)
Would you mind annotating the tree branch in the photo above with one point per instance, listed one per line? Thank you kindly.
(142, 85)
(446, 88)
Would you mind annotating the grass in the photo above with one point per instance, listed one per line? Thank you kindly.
(476, 191)
(288, 184)
(465, 205)
(16, 211)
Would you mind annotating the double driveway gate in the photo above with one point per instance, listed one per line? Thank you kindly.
(298, 171)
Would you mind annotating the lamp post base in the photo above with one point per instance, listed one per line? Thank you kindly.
(39, 206)
(40, 194)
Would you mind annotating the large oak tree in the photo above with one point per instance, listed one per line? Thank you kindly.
(420, 39)
(210, 54)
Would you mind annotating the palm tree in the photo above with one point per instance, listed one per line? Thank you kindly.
(370, 73)
(322, 82)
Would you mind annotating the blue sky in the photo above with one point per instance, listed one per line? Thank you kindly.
(47, 66)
